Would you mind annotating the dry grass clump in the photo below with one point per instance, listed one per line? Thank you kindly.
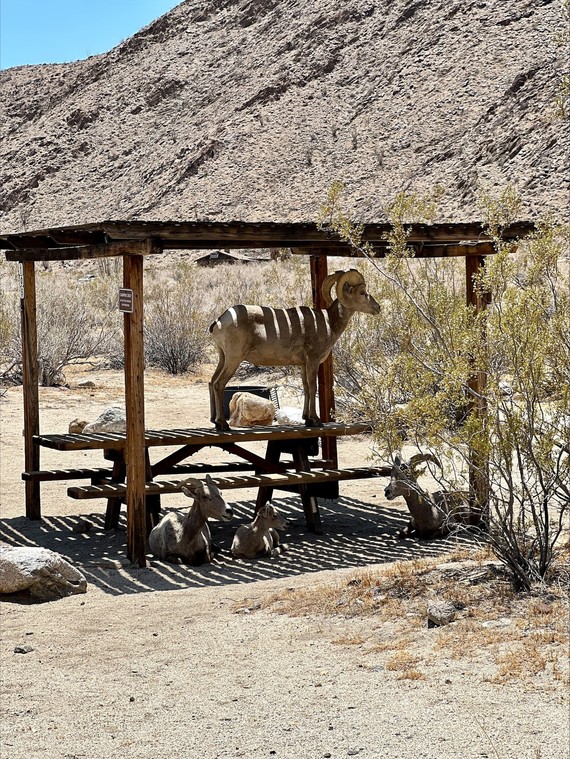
(513, 636)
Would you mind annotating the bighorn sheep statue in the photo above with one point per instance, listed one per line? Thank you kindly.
(432, 514)
(260, 538)
(186, 538)
(300, 336)
(248, 410)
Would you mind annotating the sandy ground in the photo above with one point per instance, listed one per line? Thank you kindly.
(172, 661)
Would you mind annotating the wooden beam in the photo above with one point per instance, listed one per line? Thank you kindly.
(417, 250)
(325, 377)
(295, 233)
(30, 385)
(134, 403)
(478, 464)
(122, 248)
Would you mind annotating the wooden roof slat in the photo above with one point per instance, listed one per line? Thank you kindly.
(111, 249)
(234, 235)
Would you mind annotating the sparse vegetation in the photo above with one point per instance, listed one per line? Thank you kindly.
(78, 317)
(521, 635)
(412, 378)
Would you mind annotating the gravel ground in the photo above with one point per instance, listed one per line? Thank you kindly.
(171, 661)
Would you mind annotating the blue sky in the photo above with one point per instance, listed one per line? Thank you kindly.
(58, 31)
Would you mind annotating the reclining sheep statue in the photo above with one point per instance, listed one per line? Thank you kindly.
(435, 514)
(185, 538)
(299, 336)
(260, 538)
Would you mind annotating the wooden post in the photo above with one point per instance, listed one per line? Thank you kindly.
(30, 385)
(134, 403)
(478, 464)
(325, 377)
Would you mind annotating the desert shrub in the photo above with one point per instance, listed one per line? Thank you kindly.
(410, 372)
(175, 331)
(72, 324)
(9, 313)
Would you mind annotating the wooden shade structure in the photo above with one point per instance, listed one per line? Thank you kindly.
(133, 240)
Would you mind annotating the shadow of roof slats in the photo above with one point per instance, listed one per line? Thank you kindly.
(357, 534)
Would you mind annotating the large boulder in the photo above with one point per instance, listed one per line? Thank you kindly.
(113, 419)
(42, 574)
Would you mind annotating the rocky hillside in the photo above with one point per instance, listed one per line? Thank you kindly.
(249, 109)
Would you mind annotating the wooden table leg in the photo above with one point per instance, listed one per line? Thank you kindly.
(272, 456)
(119, 474)
(310, 504)
(152, 501)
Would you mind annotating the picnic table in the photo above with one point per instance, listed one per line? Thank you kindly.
(302, 473)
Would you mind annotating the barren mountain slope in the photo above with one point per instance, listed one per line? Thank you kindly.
(248, 109)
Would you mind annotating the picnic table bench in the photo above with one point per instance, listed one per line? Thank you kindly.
(304, 474)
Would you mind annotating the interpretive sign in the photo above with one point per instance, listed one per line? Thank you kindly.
(125, 300)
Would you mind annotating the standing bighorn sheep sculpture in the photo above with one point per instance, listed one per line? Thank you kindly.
(299, 336)
(432, 514)
(186, 537)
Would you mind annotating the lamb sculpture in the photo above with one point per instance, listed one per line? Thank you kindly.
(186, 538)
(248, 410)
(260, 538)
(299, 336)
(432, 514)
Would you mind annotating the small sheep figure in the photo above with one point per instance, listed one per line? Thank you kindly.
(249, 410)
(260, 538)
(185, 538)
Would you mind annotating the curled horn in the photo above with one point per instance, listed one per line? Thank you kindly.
(328, 282)
(189, 485)
(192, 482)
(352, 278)
(419, 457)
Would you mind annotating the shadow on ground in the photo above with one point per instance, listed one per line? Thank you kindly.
(356, 534)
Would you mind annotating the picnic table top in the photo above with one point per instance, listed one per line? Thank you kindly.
(199, 436)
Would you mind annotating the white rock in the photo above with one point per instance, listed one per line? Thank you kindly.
(43, 573)
(289, 415)
(440, 613)
(113, 419)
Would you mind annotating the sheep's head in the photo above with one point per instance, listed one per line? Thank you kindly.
(208, 498)
(404, 474)
(270, 517)
(351, 291)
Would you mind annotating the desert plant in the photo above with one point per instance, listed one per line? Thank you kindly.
(412, 377)
(71, 325)
(175, 331)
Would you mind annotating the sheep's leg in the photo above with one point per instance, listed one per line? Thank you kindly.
(406, 532)
(224, 372)
(211, 384)
(310, 386)
(305, 392)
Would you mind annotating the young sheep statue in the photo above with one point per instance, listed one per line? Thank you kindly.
(186, 538)
(260, 538)
(432, 514)
(299, 336)
(248, 410)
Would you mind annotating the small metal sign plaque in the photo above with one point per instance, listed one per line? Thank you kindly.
(125, 300)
